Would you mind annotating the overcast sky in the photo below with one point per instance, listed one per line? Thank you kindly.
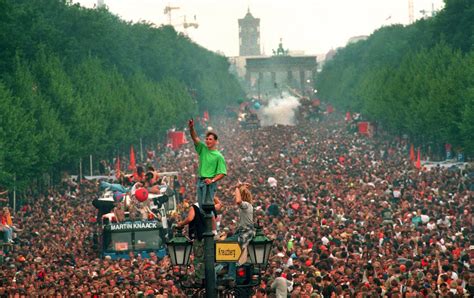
(312, 26)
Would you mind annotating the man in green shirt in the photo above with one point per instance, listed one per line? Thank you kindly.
(212, 166)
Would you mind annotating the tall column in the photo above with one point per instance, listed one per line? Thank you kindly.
(209, 248)
(302, 81)
(289, 77)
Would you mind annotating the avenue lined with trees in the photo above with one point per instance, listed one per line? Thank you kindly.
(416, 80)
(77, 81)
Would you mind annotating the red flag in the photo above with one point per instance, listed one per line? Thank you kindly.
(412, 153)
(418, 161)
(348, 116)
(206, 116)
(363, 127)
(133, 165)
(117, 167)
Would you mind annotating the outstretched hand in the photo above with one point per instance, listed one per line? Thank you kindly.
(242, 184)
(191, 123)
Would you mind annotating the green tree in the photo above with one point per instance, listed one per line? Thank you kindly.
(19, 154)
(91, 83)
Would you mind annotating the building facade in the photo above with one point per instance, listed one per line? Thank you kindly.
(270, 74)
(249, 35)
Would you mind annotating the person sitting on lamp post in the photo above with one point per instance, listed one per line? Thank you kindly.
(197, 227)
(245, 227)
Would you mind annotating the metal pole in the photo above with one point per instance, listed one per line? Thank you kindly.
(209, 248)
(141, 150)
(14, 193)
(90, 162)
(80, 171)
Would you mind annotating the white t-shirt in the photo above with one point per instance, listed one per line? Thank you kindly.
(325, 240)
(272, 181)
(431, 226)
(424, 218)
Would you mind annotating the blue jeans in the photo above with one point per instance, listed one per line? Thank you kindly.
(8, 232)
(113, 186)
(203, 190)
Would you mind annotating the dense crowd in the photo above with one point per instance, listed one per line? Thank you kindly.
(349, 215)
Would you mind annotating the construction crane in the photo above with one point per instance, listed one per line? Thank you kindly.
(411, 12)
(168, 10)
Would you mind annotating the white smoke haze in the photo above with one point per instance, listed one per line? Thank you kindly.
(279, 110)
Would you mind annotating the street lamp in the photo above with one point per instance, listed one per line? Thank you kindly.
(179, 248)
(260, 247)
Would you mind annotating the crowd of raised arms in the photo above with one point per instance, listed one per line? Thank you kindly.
(350, 217)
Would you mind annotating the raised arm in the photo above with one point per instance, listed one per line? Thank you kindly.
(238, 198)
(192, 132)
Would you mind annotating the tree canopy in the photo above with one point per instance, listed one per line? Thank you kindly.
(77, 81)
(416, 80)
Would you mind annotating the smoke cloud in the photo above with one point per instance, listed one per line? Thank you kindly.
(279, 111)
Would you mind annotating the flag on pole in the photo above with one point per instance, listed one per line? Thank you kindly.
(412, 153)
(117, 167)
(418, 161)
(133, 165)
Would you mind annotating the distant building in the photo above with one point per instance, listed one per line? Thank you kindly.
(238, 64)
(296, 53)
(269, 75)
(249, 35)
(272, 74)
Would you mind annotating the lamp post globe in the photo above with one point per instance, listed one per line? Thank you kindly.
(259, 248)
(179, 249)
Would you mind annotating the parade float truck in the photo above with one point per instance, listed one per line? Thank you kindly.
(135, 234)
(140, 237)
